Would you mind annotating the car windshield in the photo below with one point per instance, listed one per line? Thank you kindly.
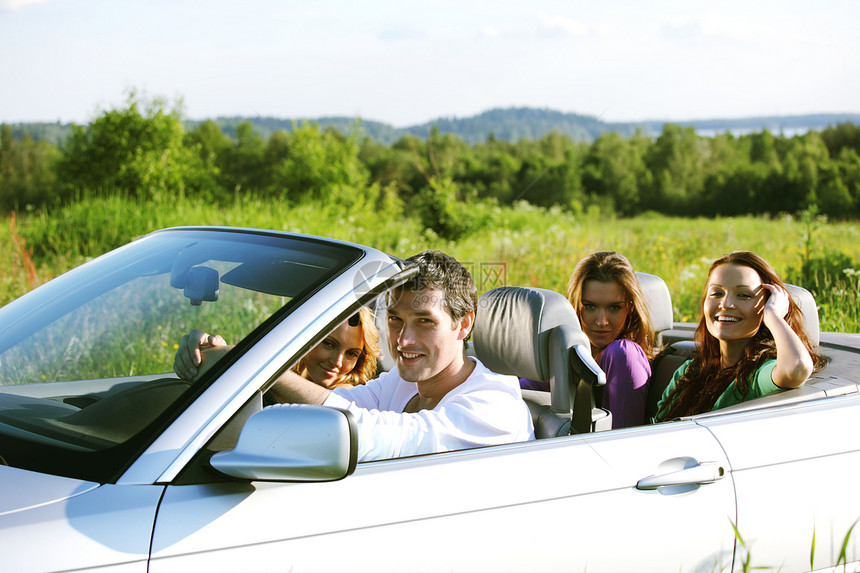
(86, 360)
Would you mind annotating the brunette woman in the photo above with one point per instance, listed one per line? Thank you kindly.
(750, 341)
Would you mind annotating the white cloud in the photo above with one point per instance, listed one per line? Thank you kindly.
(490, 32)
(555, 24)
(12, 5)
(397, 33)
(783, 29)
(683, 30)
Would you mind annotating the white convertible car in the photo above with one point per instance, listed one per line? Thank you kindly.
(111, 463)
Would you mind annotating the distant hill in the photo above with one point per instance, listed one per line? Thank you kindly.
(513, 124)
(381, 132)
(55, 133)
(509, 124)
(516, 123)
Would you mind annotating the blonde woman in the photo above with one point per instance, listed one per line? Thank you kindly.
(346, 357)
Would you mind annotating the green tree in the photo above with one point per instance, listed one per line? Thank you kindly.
(614, 170)
(492, 171)
(138, 149)
(321, 164)
(550, 172)
(439, 209)
(844, 135)
(763, 149)
(795, 187)
(7, 170)
(838, 194)
(242, 165)
(396, 167)
(675, 162)
(210, 141)
(546, 183)
(27, 171)
(212, 146)
(736, 189)
(555, 146)
(446, 153)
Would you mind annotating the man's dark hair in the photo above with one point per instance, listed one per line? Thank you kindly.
(438, 271)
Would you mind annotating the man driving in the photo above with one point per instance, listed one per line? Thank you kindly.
(436, 398)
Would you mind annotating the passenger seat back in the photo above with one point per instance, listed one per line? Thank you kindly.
(534, 333)
(659, 303)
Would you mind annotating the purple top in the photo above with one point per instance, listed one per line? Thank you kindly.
(529, 384)
(627, 374)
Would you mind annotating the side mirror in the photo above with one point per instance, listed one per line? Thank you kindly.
(293, 442)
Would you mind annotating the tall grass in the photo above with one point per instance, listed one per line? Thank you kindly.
(544, 253)
(744, 552)
(516, 245)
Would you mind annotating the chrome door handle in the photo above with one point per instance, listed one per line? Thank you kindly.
(705, 472)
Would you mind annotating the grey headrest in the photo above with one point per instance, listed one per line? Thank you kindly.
(512, 328)
(658, 299)
(807, 305)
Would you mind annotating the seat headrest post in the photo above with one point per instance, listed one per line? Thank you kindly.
(586, 366)
(564, 342)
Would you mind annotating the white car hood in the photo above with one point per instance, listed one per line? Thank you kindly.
(24, 489)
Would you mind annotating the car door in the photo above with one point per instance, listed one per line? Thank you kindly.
(568, 503)
(55, 523)
(795, 471)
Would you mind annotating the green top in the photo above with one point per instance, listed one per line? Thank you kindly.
(760, 385)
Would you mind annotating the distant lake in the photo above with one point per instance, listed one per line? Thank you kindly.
(776, 130)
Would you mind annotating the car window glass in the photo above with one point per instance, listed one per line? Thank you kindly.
(86, 360)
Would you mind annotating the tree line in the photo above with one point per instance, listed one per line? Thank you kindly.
(143, 150)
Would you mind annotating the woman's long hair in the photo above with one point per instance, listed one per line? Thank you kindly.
(365, 365)
(704, 381)
(607, 267)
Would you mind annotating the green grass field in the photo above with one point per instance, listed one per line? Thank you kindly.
(519, 245)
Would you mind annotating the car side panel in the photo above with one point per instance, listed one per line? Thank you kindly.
(795, 470)
(567, 503)
(107, 528)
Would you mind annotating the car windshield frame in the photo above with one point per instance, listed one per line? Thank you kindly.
(52, 426)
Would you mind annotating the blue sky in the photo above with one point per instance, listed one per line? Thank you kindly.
(406, 62)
